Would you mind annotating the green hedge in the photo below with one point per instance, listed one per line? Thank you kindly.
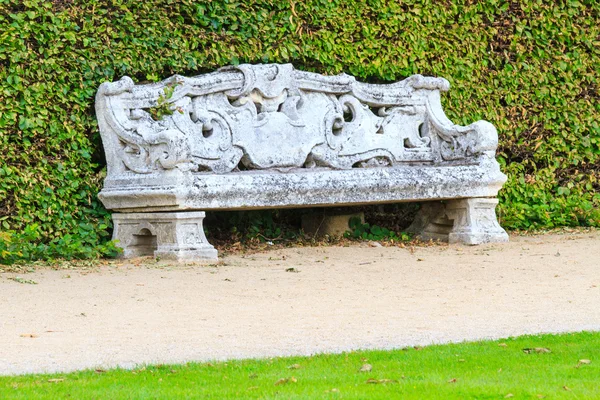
(529, 67)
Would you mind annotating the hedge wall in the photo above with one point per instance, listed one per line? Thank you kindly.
(530, 67)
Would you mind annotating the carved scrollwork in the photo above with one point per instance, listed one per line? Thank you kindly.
(275, 117)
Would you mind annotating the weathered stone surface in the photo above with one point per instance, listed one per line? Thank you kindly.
(320, 224)
(175, 236)
(272, 116)
(265, 136)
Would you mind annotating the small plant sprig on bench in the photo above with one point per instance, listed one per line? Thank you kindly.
(365, 231)
(164, 106)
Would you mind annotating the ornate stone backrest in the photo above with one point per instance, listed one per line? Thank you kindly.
(258, 117)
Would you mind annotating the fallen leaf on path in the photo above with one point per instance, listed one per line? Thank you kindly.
(23, 280)
(377, 381)
(366, 368)
(375, 244)
(539, 350)
(29, 335)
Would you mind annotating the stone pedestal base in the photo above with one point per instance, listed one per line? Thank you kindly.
(468, 221)
(175, 236)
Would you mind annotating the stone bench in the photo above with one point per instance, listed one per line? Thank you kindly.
(270, 136)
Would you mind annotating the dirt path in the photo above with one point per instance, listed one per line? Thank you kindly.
(342, 298)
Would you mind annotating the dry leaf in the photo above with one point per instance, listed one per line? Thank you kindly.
(295, 366)
(453, 380)
(542, 350)
(29, 335)
(566, 388)
(55, 380)
(376, 381)
(283, 381)
(100, 371)
(366, 368)
(539, 350)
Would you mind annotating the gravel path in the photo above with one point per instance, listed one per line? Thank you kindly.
(341, 298)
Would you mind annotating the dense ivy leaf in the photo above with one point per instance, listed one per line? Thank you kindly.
(530, 68)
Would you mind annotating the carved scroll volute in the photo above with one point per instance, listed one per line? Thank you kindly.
(133, 141)
(105, 115)
(454, 142)
(211, 127)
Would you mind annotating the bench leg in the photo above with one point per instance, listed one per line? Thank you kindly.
(475, 221)
(468, 221)
(175, 236)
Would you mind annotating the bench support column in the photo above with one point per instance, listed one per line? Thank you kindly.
(175, 236)
(468, 221)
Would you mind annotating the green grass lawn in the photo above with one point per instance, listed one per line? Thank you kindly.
(483, 370)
